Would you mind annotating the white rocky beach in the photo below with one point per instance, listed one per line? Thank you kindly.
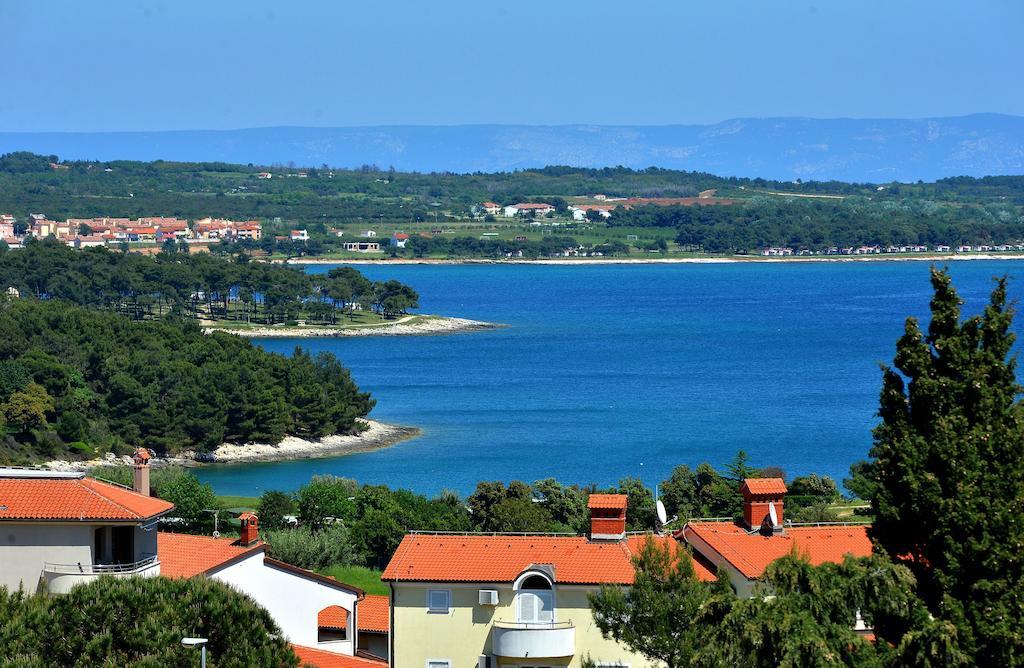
(407, 326)
(376, 435)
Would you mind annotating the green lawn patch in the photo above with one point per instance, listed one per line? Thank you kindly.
(362, 577)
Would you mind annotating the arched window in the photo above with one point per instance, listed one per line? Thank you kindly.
(535, 600)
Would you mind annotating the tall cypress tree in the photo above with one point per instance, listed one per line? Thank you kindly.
(949, 465)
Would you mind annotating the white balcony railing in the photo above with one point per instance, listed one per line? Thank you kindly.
(533, 639)
(60, 578)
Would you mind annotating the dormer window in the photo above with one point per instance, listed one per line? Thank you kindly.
(535, 600)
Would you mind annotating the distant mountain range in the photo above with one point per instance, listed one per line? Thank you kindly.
(873, 150)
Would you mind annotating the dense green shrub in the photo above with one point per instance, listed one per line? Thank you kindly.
(310, 548)
(139, 622)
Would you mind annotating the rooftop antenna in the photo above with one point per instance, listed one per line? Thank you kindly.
(773, 515)
(659, 507)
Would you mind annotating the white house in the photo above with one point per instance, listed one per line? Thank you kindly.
(399, 239)
(313, 611)
(299, 235)
(61, 529)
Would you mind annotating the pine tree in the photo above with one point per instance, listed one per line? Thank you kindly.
(949, 468)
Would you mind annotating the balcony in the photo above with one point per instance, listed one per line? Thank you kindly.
(60, 578)
(544, 640)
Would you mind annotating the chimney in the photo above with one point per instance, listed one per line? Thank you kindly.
(140, 479)
(760, 497)
(249, 532)
(607, 516)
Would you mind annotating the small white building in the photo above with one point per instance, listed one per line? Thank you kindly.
(299, 235)
(62, 529)
(312, 610)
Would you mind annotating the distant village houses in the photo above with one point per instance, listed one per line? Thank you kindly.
(525, 208)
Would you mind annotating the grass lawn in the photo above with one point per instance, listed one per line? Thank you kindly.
(249, 502)
(365, 578)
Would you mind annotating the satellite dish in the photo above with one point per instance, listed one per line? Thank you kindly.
(216, 534)
(773, 515)
(662, 515)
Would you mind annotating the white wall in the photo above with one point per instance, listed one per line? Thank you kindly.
(292, 600)
(24, 548)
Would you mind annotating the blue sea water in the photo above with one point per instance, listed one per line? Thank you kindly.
(607, 371)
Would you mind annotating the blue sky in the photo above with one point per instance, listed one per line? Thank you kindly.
(180, 64)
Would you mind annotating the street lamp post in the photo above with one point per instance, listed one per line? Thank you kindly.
(201, 644)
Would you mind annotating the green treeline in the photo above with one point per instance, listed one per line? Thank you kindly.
(367, 522)
(198, 285)
(819, 224)
(193, 190)
(80, 382)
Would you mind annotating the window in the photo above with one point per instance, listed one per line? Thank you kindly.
(439, 663)
(438, 601)
(536, 606)
(535, 600)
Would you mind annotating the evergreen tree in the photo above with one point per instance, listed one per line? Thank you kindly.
(655, 617)
(949, 469)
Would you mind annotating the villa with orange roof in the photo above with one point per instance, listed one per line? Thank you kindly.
(521, 600)
(511, 600)
(63, 529)
(744, 549)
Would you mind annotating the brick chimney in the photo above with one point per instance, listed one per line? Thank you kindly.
(249, 532)
(140, 478)
(607, 516)
(759, 496)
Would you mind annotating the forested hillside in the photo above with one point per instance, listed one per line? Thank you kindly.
(204, 286)
(79, 382)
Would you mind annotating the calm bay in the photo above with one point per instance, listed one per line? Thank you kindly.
(607, 371)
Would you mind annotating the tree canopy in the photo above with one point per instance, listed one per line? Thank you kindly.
(76, 382)
(139, 622)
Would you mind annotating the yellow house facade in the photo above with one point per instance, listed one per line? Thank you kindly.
(493, 601)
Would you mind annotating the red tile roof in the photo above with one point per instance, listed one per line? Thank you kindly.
(704, 572)
(184, 556)
(484, 558)
(612, 501)
(74, 499)
(764, 485)
(374, 614)
(750, 553)
(323, 659)
(332, 617)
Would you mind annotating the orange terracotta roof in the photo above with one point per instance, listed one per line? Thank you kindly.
(319, 658)
(750, 553)
(74, 499)
(705, 572)
(184, 555)
(332, 617)
(764, 485)
(374, 614)
(485, 558)
(612, 501)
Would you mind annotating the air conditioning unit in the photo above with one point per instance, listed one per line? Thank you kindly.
(488, 597)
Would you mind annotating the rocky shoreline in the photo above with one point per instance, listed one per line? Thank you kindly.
(722, 259)
(376, 436)
(412, 326)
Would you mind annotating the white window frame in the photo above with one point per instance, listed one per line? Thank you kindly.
(539, 594)
(431, 663)
(438, 611)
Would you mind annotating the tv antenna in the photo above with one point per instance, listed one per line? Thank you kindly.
(659, 507)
